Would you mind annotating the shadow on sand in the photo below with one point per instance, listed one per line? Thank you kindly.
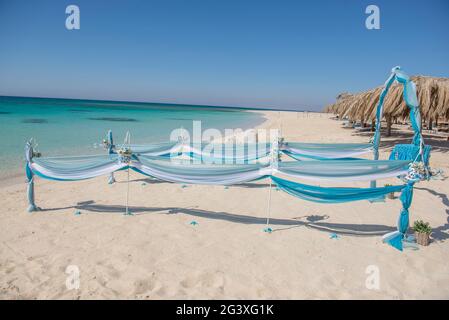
(311, 221)
(440, 233)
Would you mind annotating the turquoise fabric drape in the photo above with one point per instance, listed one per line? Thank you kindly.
(411, 100)
(379, 114)
(332, 195)
(342, 170)
(75, 168)
(339, 195)
(410, 152)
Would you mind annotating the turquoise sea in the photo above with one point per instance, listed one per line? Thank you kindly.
(70, 127)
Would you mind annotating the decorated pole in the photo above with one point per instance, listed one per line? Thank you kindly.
(110, 146)
(125, 156)
(274, 158)
(29, 153)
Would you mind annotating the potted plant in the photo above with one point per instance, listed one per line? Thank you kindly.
(391, 194)
(422, 232)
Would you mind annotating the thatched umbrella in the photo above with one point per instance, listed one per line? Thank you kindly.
(433, 96)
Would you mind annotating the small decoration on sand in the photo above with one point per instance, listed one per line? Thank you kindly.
(184, 186)
(193, 223)
(268, 230)
(334, 236)
(77, 213)
(226, 187)
(422, 232)
(144, 184)
(391, 194)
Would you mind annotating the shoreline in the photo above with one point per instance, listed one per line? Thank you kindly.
(7, 179)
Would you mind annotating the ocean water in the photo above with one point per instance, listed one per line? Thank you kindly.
(70, 127)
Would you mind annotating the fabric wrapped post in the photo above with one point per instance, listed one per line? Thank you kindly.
(30, 178)
(395, 238)
(110, 144)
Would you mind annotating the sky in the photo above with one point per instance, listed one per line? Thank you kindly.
(254, 53)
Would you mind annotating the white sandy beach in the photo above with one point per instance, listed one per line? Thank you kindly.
(158, 254)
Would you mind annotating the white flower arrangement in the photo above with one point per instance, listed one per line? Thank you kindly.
(417, 171)
(125, 154)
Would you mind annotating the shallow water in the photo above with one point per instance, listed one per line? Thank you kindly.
(68, 127)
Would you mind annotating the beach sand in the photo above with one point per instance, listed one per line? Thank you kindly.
(159, 254)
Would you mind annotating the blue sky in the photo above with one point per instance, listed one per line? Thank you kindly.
(251, 53)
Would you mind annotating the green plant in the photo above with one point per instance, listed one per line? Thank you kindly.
(422, 227)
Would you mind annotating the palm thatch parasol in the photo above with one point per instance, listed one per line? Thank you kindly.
(433, 96)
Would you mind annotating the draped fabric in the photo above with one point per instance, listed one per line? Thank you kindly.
(410, 152)
(153, 149)
(191, 173)
(75, 168)
(324, 151)
(379, 113)
(228, 153)
(188, 171)
(342, 170)
(411, 100)
(332, 195)
(211, 152)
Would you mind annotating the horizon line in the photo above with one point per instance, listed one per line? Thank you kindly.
(167, 104)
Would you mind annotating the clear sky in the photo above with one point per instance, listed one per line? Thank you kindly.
(249, 53)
